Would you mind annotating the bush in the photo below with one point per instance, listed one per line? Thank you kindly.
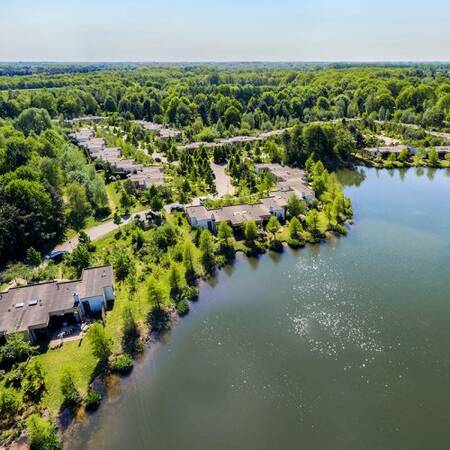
(122, 364)
(33, 383)
(190, 293)
(9, 402)
(15, 376)
(16, 349)
(182, 307)
(295, 243)
(42, 434)
(276, 245)
(69, 391)
(341, 229)
(92, 399)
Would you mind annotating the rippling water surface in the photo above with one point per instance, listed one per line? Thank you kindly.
(342, 346)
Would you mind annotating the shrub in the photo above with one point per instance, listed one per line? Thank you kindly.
(34, 381)
(295, 243)
(101, 344)
(15, 376)
(276, 246)
(92, 399)
(42, 434)
(69, 390)
(122, 364)
(340, 229)
(182, 307)
(190, 293)
(16, 349)
(9, 402)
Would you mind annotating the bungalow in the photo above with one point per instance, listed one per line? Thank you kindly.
(85, 119)
(236, 215)
(35, 309)
(147, 176)
(127, 166)
(289, 179)
(159, 130)
(397, 149)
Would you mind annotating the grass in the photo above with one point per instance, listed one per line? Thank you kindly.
(77, 356)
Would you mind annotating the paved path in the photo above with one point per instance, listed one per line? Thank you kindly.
(223, 180)
(97, 232)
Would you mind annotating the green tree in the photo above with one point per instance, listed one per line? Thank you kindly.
(78, 205)
(232, 116)
(312, 220)
(69, 390)
(79, 259)
(190, 273)
(33, 256)
(33, 119)
(117, 219)
(295, 205)
(250, 231)
(33, 383)
(175, 282)
(100, 343)
(15, 349)
(207, 251)
(273, 225)
(433, 158)
(295, 228)
(42, 433)
(224, 233)
(9, 402)
(155, 294)
(123, 265)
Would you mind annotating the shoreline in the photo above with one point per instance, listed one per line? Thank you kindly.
(111, 384)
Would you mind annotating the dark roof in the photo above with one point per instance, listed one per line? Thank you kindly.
(30, 306)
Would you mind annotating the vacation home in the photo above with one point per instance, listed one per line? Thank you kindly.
(37, 310)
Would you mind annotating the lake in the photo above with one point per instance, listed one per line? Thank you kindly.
(340, 346)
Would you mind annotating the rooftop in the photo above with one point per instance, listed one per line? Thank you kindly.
(30, 306)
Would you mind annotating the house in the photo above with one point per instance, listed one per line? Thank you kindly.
(160, 130)
(127, 166)
(397, 149)
(276, 203)
(289, 179)
(85, 119)
(236, 215)
(37, 309)
(147, 176)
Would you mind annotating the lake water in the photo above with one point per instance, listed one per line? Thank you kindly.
(340, 346)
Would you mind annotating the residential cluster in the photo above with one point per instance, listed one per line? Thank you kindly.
(397, 149)
(41, 310)
(160, 130)
(235, 140)
(290, 182)
(141, 176)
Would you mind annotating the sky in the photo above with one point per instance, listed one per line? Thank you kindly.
(224, 30)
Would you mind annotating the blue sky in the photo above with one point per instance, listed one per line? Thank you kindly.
(219, 30)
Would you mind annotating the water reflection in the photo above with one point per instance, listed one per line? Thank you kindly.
(354, 177)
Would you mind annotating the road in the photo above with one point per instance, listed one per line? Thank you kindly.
(223, 181)
(97, 232)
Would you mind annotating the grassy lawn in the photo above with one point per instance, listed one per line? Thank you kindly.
(77, 356)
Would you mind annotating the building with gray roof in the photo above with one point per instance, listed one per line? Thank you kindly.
(30, 309)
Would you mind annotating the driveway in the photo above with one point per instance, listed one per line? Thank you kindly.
(97, 232)
(223, 181)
